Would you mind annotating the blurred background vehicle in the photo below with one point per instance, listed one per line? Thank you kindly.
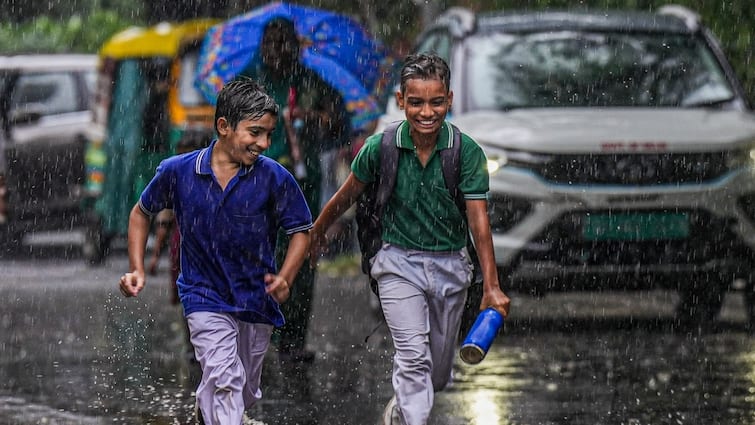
(44, 117)
(620, 147)
(145, 102)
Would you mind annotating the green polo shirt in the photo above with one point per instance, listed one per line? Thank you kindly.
(421, 214)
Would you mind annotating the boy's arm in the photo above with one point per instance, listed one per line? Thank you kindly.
(479, 225)
(341, 201)
(138, 230)
(278, 285)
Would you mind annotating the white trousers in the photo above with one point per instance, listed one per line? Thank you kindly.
(422, 295)
(231, 354)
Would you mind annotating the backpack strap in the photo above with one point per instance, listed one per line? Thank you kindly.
(450, 160)
(388, 165)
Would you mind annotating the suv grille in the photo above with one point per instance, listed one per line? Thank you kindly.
(637, 169)
(506, 211)
(709, 238)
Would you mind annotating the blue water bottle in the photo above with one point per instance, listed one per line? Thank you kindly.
(481, 336)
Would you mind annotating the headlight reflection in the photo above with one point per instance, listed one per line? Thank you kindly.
(484, 408)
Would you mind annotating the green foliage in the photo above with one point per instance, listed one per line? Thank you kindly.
(77, 34)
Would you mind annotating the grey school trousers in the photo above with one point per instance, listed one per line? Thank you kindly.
(422, 295)
(231, 353)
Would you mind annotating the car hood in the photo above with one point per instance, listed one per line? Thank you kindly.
(581, 130)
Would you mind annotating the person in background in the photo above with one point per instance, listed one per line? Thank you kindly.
(423, 269)
(229, 202)
(314, 120)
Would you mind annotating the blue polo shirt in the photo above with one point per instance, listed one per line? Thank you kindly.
(227, 236)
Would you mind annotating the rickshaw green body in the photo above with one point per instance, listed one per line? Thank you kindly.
(144, 103)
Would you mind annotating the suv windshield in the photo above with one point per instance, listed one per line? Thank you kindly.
(573, 68)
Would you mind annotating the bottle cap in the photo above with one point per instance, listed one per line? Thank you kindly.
(471, 354)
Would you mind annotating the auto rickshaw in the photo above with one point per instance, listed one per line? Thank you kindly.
(145, 102)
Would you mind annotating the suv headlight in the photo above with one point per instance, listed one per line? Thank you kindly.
(499, 158)
(495, 163)
(740, 158)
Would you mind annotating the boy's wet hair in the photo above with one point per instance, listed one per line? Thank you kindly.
(242, 99)
(425, 66)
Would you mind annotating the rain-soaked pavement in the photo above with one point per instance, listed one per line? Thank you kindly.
(73, 351)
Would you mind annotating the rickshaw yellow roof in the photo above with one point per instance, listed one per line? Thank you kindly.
(163, 39)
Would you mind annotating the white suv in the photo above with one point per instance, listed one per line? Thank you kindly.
(45, 116)
(620, 146)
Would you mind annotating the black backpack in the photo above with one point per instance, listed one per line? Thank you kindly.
(372, 202)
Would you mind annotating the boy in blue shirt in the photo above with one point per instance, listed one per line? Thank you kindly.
(229, 202)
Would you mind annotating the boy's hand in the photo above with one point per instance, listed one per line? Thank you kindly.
(277, 287)
(496, 299)
(318, 245)
(132, 283)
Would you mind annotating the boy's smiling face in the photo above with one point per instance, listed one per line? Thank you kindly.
(248, 140)
(426, 103)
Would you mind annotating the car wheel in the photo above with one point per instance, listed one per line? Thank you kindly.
(700, 302)
(96, 244)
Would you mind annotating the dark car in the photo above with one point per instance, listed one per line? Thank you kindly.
(44, 116)
(620, 147)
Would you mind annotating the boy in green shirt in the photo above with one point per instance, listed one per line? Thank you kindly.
(423, 269)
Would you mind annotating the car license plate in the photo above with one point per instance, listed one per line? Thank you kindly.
(635, 226)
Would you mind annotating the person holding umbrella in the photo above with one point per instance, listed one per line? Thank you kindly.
(324, 68)
(313, 120)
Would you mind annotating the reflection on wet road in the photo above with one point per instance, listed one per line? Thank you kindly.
(73, 351)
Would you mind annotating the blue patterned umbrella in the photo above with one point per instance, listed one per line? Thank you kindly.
(336, 47)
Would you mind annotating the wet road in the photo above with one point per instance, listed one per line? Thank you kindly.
(73, 351)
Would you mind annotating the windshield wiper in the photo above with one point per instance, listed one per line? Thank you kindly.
(710, 103)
